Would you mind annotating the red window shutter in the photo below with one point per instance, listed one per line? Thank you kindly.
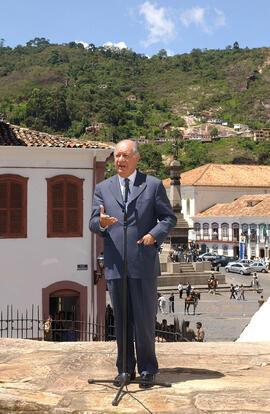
(3, 222)
(3, 195)
(72, 205)
(13, 206)
(72, 195)
(16, 225)
(72, 221)
(65, 206)
(16, 203)
(58, 195)
(58, 221)
(16, 193)
(3, 207)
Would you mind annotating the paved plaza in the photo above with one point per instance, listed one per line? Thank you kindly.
(223, 319)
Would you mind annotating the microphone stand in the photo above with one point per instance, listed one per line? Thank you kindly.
(125, 376)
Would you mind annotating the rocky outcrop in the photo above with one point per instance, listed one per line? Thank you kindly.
(211, 378)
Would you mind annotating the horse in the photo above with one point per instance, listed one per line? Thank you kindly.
(192, 300)
(212, 285)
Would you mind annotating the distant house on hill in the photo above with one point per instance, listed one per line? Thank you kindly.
(240, 127)
(48, 255)
(132, 97)
(262, 134)
(94, 127)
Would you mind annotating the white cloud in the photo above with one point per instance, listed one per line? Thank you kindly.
(85, 45)
(120, 45)
(194, 15)
(170, 52)
(206, 19)
(160, 27)
(220, 18)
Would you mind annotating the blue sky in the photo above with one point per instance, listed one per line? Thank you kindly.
(143, 26)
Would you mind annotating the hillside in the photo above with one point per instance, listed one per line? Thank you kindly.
(66, 88)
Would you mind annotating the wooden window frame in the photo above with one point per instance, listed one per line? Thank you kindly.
(15, 178)
(65, 179)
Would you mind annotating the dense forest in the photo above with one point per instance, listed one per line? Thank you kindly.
(65, 88)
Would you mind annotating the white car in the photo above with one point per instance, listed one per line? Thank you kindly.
(206, 256)
(245, 262)
(258, 267)
(238, 268)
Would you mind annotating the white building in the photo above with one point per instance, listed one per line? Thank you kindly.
(48, 255)
(211, 184)
(220, 228)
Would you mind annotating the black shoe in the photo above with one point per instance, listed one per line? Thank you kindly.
(147, 380)
(118, 379)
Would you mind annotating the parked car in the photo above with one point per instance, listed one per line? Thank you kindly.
(238, 268)
(258, 267)
(206, 256)
(245, 261)
(223, 260)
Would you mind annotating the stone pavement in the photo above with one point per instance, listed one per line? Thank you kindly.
(214, 378)
(223, 319)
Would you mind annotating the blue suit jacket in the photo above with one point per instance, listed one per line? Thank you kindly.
(148, 211)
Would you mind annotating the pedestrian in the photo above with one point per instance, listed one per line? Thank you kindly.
(257, 283)
(232, 290)
(200, 332)
(150, 219)
(171, 303)
(261, 301)
(188, 289)
(47, 329)
(175, 255)
(162, 304)
(188, 332)
(242, 292)
(180, 289)
(254, 276)
(237, 292)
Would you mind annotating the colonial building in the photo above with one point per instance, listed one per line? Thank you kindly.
(220, 228)
(211, 184)
(48, 255)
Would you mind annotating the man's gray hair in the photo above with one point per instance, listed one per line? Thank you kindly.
(135, 145)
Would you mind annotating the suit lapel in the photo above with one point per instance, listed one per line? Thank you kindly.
(116, 190)
(138, 187)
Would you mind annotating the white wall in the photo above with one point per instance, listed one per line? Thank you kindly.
(28, 265)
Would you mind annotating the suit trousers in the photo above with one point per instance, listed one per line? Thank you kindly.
(141, 315)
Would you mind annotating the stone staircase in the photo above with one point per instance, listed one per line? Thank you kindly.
(196, 273)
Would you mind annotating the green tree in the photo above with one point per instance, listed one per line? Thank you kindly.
(162, 54)
(214, 132)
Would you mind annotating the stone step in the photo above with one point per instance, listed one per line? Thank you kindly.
(195, 279)
(202, 288)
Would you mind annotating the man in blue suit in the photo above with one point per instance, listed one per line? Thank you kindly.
(149, 220)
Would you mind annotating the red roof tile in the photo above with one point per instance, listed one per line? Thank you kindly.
(13, 135)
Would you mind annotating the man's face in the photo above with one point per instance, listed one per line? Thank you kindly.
(124, 159)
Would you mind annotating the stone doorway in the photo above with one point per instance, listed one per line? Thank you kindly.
(261, 253)
(236, 251)
(65, 301)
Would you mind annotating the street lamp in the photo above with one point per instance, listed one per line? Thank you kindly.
(100, 264)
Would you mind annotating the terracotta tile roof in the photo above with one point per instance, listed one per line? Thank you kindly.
(13, 135)
(257, 205)
(226, 175)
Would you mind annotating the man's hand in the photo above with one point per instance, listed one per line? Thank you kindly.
(147, 239)
(104, 219)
